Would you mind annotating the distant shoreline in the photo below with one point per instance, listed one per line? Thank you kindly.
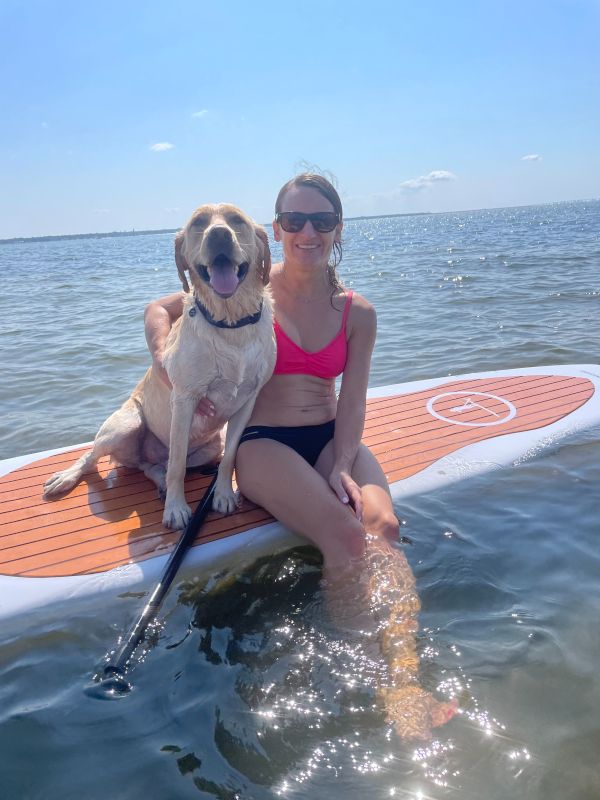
(114, 234)
(61, 236)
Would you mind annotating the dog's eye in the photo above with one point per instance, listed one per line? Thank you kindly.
(201, 221)
(235, 219)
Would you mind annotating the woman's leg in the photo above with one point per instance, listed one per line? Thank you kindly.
(275, 477)
(392, 597)
(379, 517)
(363, 571)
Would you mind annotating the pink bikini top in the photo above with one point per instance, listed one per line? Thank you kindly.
(329, 362)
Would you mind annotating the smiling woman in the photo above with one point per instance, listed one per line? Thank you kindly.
(301, 456)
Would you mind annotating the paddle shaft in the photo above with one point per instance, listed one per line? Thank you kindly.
(124, 653)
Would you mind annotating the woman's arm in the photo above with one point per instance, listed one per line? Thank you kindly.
(350, 416)
(159, 317)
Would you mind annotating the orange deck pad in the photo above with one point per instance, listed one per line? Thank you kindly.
(113, 517)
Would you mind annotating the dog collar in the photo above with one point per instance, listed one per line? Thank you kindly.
(251, 319)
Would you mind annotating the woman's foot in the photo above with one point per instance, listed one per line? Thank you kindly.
(414, 712)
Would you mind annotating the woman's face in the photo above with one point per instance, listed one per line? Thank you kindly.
(307, 247)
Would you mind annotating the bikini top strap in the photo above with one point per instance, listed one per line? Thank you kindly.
(347, 308)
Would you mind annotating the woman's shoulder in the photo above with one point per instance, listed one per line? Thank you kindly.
(362, 315)
(360, 306)
(173, 304)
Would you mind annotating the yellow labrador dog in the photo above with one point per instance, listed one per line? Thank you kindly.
(222, 348)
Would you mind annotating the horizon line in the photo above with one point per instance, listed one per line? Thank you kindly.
(149, 232)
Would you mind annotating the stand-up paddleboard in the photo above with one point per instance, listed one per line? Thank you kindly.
(106, 535)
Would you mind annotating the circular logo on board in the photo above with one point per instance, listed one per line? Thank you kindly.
(457, 407)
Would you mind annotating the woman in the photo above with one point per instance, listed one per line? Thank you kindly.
(301, 455)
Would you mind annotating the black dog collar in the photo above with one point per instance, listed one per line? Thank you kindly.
(251, 319)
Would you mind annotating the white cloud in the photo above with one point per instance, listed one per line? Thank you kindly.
(532, 157)
(160, 147)
(199, 114)
(424, 181)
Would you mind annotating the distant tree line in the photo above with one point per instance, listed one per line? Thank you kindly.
(22, 239)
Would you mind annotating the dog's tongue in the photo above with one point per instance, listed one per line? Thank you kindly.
(224, 280)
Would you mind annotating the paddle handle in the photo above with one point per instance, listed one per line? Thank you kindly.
(119, 661)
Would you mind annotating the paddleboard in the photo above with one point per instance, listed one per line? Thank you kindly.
(106, 537)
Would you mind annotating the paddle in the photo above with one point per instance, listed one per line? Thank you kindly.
(112, 682)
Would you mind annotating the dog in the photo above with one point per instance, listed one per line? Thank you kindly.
(222, 348)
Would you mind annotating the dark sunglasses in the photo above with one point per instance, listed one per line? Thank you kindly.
(294, 221)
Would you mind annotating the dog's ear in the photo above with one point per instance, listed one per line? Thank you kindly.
(182, 264)
(266, 253)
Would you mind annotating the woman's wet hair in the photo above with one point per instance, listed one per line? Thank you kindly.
(312, 180)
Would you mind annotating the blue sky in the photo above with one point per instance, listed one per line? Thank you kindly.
(413, 106)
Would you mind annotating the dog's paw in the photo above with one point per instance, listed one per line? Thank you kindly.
(176, 515)
(225, 501)
(61, 482)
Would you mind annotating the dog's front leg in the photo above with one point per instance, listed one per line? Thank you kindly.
(177, 512)
(224, 499)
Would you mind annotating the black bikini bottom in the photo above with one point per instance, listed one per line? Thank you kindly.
(307, 440)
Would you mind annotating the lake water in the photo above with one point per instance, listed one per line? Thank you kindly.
(253, 695)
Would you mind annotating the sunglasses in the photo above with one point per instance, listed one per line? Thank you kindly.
(294, 221)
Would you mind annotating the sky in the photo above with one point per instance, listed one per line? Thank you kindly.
(128, 115)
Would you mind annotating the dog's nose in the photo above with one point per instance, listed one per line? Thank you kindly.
(219, 235)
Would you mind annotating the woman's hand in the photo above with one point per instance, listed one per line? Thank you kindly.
(205, 408)
(347, 490)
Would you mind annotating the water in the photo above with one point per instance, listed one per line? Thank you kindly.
(251, 693)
